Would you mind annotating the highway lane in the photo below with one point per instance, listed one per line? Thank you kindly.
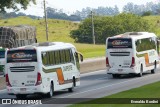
(93, 85)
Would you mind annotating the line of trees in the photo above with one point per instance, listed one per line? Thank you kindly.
(59, 14)
(106, 26)
(149, 8)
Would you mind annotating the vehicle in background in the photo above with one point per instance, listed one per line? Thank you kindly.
(15, 36)
(42, 68)
(2, 60)
(132, 53)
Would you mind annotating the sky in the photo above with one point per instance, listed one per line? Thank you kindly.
(70, 6)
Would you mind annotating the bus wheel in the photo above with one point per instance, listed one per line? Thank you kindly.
(154, 70)
(141, 72)
(73, 85)
(21, 96)
(50, 93)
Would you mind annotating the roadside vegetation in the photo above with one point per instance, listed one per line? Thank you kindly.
(62, 30)
(147, 91)
(107, 26)
(59, 30)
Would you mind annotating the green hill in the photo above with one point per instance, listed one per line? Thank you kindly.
(59, 30)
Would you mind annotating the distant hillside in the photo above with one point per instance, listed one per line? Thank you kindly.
(59, 30)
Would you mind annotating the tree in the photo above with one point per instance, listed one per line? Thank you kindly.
(14, 4)
(106, 26)
(59, 14)
(148, 13)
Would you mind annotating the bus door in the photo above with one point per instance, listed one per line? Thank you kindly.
(77, 56)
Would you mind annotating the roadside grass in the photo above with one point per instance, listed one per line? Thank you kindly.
(146, 91)
(90, 50)
(59, 30)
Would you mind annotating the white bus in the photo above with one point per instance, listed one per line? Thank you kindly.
(42, 68)
(132, 53)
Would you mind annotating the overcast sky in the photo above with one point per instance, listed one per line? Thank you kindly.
(70, 6)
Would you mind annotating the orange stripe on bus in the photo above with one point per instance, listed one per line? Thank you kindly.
(146, 59)
(60, 75)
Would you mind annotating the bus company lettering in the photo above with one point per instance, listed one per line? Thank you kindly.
(119, 42)
(67, 68)
(21, 55)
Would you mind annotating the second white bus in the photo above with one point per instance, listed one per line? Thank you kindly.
(132, 53)
(42, 68)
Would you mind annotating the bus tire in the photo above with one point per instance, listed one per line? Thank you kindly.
(21, 96)
(141, 72)
(73, 85)
(50, 93)
(155, 67)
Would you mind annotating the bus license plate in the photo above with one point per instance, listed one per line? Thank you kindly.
(120, 70)
(23, 89)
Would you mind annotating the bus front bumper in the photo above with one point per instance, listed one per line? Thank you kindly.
(24, 90)
(121, 71)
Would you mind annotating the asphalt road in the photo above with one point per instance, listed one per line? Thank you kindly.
(93, 85)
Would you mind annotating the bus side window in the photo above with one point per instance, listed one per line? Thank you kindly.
(44, 58)
(62, 53)
(50, 58)
(68, 57)
(57, 56)
(71, 56)
(48, 61)
(53, 56)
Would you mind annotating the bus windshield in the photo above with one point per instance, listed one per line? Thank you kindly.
(21, 56)
(119, 43)
(2, 54)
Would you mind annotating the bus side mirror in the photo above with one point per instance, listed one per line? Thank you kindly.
(136, 43)
(81, 58)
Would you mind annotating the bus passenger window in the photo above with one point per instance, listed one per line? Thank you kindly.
(44, 59)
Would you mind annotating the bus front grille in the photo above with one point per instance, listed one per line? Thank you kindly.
(22, 69)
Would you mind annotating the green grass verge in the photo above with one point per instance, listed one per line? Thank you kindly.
(147, 91)
(90, 50)
(59, 30)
